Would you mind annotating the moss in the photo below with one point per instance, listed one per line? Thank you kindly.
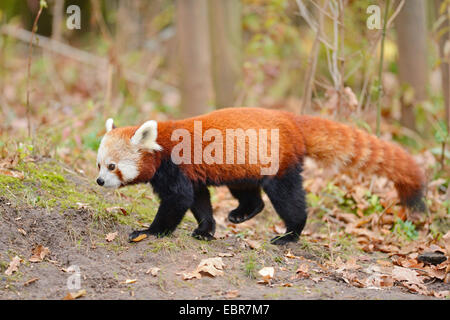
(48, 185)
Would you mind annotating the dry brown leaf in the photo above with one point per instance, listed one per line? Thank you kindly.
(13, 266)
(266, 274)
(117, 210)
(352, 278)
(232, 294)
(225, 254)
(289, 255)
(253, 244)
(446, 239)
(190, 275)
(153, 271)
(76, 295)
(211, 266)
(317, 279)
(129, 281)
(111, 236)
(405, 274)
(140, 237)
(82, 206)
(39, 253)
(14, 174)
(279, 229)
(302, 271)
(379, 280)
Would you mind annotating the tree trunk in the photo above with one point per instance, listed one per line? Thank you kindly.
(194, 56)
(57, 20)
(129, 27)
(226, 43)
(412, 41)
(445, 66)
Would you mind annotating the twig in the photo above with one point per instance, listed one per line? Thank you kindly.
(312, 63)
(42, 5)
(312, 24)
(380, 68)
(81, 56)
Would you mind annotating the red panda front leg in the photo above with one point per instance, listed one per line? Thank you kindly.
(170, 213)
(203, 213)
(176, 192)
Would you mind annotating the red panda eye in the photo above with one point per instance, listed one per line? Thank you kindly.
(98, 166)
(111, 166)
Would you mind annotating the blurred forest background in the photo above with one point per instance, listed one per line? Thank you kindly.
(380, 65)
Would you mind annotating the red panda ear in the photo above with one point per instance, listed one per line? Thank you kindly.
(145, 136)
(109, 125)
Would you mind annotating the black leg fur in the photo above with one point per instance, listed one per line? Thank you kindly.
(203, 213)
(250, 203)
(177, 196)
(288, 198)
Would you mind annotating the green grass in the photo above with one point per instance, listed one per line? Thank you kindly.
(47, 184)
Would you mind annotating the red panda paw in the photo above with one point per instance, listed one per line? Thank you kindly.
(202, 235)
(284, 239)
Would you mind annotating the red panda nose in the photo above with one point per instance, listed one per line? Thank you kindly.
(100, 181)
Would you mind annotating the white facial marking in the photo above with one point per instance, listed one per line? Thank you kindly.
(128, 168)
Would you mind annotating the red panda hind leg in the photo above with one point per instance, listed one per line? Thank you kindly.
(288, 198)
(250, 203)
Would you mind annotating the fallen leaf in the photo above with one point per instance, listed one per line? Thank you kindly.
(405, 274)
(153, 271)
(446, 239)
(76, 295)
(32, 280)
(253, 244)
(14, 174)
(82, 206)
(111, 236)
(13, 266)
(266, 274)
(129, 281)
(286, 285)
(289, 255)
(232, 294)
(379, 280)
(302, 271)
(39, 253)
(225, 254)
(190, 275)
(117, 210)
(211, 266)
(140, 237)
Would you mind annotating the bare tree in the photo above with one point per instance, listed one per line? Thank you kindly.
(412, 42)
(194, 56)
(226, 43)
(57, 20)
(444, 37)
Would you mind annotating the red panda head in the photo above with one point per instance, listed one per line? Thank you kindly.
(120, 157)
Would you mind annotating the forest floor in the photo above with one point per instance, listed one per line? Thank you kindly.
(53, 219)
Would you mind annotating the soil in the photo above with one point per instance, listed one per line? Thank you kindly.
(75, 239)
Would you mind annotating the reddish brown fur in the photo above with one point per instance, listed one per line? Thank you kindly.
(324, 140)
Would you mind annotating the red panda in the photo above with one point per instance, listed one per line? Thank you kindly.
(180, 162)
